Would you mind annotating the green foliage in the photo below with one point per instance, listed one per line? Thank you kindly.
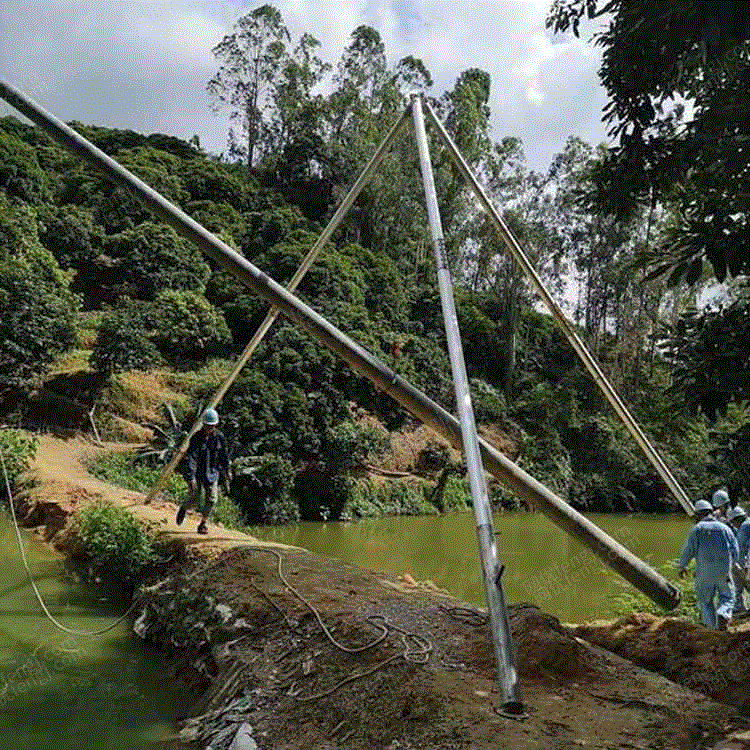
(20, 174)
(653, 55)
(708, 354)
(152, 258)
(188, 326)
(366, 499)
(349, 443)
(629, 600)
(123, 342)
(262, 489)
(39, 309)
(113, 542)
(19, 448)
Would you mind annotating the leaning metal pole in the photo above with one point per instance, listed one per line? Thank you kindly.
(575, 341)
(634, 570)
(273, 313)
(492, 572)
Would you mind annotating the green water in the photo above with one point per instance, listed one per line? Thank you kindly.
(62, 692)
(543, 564)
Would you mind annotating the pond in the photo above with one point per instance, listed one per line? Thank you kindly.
(71, 692)
(543, 564)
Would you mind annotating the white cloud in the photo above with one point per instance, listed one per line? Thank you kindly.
(144, 65)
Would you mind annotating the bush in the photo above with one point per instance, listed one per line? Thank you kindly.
(19, 448)
(369, 500)
(38, 309)
(114, 542)
(262, 489)
(350, 443)
(122, 342)
(188, 326)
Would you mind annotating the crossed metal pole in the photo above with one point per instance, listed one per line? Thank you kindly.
(463, 434)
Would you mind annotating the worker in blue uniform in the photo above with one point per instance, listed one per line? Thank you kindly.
(714, 547)
(740, 523)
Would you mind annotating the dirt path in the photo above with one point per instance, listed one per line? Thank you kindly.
(64, 481)
(267, 645)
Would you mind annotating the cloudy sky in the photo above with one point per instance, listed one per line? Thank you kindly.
(144, 65)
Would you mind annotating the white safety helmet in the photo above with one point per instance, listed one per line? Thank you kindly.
(735, 512)
(702, 506)
(210, 417)
(720, 498)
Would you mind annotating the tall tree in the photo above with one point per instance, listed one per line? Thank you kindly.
(656, 53)
(251, 58)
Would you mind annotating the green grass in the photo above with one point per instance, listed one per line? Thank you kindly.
(120, 469)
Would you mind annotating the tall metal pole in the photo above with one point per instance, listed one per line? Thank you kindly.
(492, 572)
(273, 313)
(588, 360)
(611, 552)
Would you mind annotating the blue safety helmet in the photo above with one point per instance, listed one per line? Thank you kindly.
(735, 512)
(210, 417)
(702, 506)
(720, 498)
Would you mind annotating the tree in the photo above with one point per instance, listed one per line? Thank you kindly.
(251, 58)
(657, 55)
(39, 310)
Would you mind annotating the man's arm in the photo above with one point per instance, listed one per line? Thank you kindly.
(688, 552)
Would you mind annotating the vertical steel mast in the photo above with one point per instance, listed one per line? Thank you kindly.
(491, 570)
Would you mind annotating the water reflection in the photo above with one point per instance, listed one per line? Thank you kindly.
(544, 565)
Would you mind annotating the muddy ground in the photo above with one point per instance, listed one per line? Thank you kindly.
(240, 632)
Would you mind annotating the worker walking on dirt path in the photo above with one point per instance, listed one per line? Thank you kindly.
(713, 545)
(206, 459)
(740, 523)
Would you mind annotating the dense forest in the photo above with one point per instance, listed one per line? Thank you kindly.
(87, 273)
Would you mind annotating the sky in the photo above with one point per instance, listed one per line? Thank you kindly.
(144, 65)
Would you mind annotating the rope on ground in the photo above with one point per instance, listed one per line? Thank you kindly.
(59, 625)
(416, 648)
(467, 615)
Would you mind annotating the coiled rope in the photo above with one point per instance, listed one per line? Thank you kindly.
(50, 617)
(417, 649)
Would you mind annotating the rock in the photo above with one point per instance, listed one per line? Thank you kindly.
(243, 740)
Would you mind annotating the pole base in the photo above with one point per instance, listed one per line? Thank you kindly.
(512, 710)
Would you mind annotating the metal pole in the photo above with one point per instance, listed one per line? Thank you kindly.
(644, 578)
(588, 360)
(273, 313)
(492, 572)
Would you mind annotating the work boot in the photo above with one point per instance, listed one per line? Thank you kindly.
(180, 515)
(722, 622)
(202, 528)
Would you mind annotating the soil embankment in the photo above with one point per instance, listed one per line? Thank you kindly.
(246, 622)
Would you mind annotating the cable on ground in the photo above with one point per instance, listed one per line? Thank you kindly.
(50, 617)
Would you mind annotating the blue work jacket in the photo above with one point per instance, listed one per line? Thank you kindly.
(714, 547)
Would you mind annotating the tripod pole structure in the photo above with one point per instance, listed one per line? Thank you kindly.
(574, 339)
(611, 552)
(273, 313)
(491, 570)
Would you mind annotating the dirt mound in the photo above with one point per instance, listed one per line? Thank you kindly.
(544, 648)
(717, 664)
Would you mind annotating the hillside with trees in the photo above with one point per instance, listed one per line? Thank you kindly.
(87, 274)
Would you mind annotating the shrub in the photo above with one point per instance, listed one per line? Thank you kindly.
(369, 500)
(261, 488)
(350, 443)
(38, 309)
(122, 342)
(19, 448)
(188, 326)
(114, 542)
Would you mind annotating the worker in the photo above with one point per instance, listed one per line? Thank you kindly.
(720, 502)
(206, 459)
(713, 545)
(740, 523)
